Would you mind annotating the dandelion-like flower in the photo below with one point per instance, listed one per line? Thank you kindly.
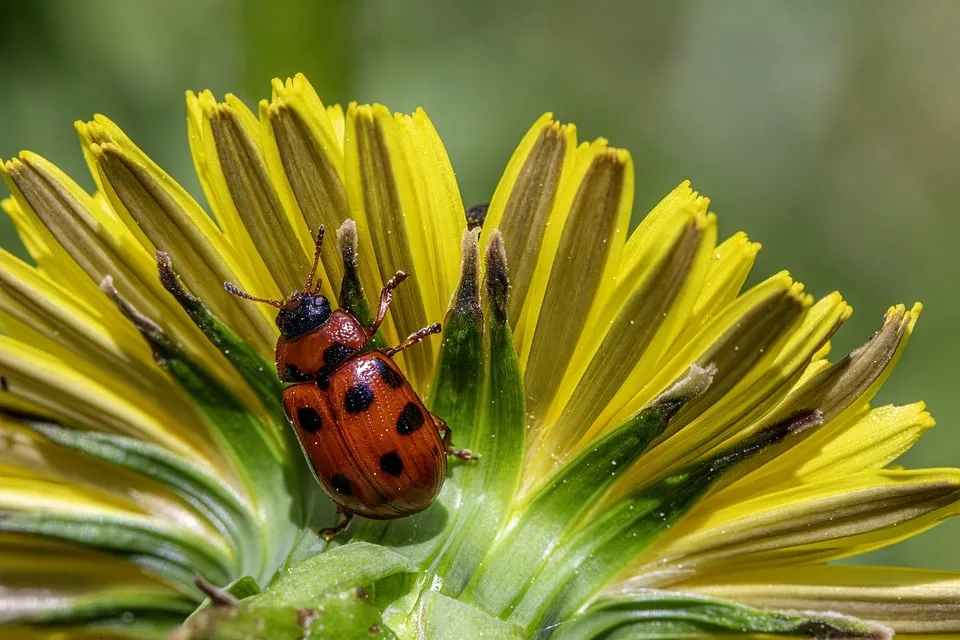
(663, 454)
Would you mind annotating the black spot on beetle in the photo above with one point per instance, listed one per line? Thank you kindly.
(391, 463)
(411, 419)
(359, 397)
(323, 381)
(335, 354)
(388, 375)
(341, 484)
(292, 373)
(308, 419)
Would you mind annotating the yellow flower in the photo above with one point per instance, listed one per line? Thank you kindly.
(663, 454)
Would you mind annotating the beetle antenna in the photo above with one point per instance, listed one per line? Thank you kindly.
(235, 290)
(309, 287)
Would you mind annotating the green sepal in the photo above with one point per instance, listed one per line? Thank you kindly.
(443, 618)
(663, 614)
(455, 397)
(207, 495)
(558, 507)
(343, 615)
(169, 554)
(490, 485)
(586, 561)
(455, 392)
(358, 564)
(351, 296)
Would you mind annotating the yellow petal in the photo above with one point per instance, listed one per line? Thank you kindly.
(99, 242)
(337, 121)
(244, 189)
(54, 384)
(598, 195)
(27, 457)
(206, 161)
(813, 522)
(151, 202)
(870, 440)
(522, 207)
(841, 391)
(909, 600)
(729, 268)
(734, 342)
(385, 199)
(739, 411)
(858, 377)
(618, 338)
(99, 343)
(305, 161)
(59, 224)
(49, 255)
(443, 215)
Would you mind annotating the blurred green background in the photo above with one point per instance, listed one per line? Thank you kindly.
(829, 131)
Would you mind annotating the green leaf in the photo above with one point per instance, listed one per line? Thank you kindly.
(455, 392)
(490, 485)
(598, 551)
(443, 618)
(207, 495)
(343, 615)
(358, 564)
(559, 505)
(168, 553)
(661, 614)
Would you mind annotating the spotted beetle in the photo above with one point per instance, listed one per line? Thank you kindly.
(373, 445)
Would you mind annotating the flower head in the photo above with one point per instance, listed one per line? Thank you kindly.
(663, 454)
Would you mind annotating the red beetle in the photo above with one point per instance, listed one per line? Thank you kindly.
(373, 445)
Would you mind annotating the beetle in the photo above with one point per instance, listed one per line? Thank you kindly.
(372, 444)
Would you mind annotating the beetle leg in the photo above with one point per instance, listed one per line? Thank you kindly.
(414, 338)
(331, 532)
(463, 454)
(386, 297)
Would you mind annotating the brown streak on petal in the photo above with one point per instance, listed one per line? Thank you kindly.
(839, 386)
(315, 182)
(740, 349)
(528, 209)
(385, 219)
(258, 204)
(628, 337)
(577, 273)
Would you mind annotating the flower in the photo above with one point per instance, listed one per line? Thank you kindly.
(663, 454)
